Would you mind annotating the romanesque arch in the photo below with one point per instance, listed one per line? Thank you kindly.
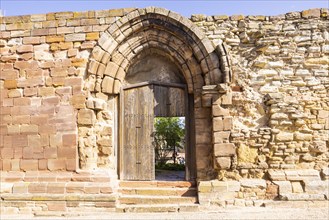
(156, 28)
(166, 33)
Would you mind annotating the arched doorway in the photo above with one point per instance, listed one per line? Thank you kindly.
(153, 87)
(170, 35)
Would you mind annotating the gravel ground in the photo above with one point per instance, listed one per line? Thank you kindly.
(300, 211)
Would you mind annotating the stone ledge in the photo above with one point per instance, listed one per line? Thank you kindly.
(294, 175)
(59, 197)
(55, 176)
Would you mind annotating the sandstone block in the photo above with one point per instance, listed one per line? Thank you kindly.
(64, 30)
(7, 153)
(228, 123)
(43, 55)
(111, 69)
(318, 147)
(247, 154)
(67, 152)
(23, 65)
(219, 186)
(107, 84)
(227, 99)
(57, 206)
(292, 175)
(297, 187)
(61, 46)
(14, 93)
(50, 101)
(34, 141)
(46, 91)
(69, 140)
(284, 136)
(75, 187)
(56, 188)
(25, 48)
(40, 32)
(38, 17)
(309, 174)
(78, 62)
(9, 74)
(75, 37)
(37, 188)
(284, 187)
(204, 187)
(220, 17)
(78, 101)
(6, 187)
(302, 137)
(253, 183)
(225, 149)
(86, 117)
(56, 164)
(28, 165)
(218, 124)
(21, 187)
(10, 84)
(233, 186)
(92, 36)
(221, 136)
(105, 142)
(316, 187)
(311, 13)
(50, 153)
(237, 17)
(62, 15)
(54, 38)
(223, 163)
(279, 116)
(323, 114)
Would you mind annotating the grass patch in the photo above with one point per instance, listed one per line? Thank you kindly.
(170, 166)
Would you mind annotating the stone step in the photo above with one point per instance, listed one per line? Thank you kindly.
(56, 187)
(158, 208)
(75, 212)
(59, 197)
(157, 184)
(143, 199)
(159, 191)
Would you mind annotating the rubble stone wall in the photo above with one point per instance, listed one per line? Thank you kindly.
(269, 117)
(276, 117)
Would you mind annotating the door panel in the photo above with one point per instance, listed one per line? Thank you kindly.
(169, 101)
(129, 141)
(140, 104)
(176, 98)
(138, 152)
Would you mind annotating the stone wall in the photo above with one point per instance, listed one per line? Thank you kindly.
(276, 116)
(43, 66)
(270, 113)
(279, 104)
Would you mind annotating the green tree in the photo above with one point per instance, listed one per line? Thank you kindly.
(168, 137)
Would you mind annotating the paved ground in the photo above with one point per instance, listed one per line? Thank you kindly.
(169, 175)
(299, 210)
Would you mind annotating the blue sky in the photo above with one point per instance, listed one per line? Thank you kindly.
(184, 7)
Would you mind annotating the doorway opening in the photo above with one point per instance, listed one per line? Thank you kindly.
(169, 145)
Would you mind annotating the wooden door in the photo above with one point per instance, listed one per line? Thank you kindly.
(138, 116)
(169, 101)
(140, 104)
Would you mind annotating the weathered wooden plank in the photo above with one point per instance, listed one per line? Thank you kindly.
(146, 150)
(129, 142)
(176, 98)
